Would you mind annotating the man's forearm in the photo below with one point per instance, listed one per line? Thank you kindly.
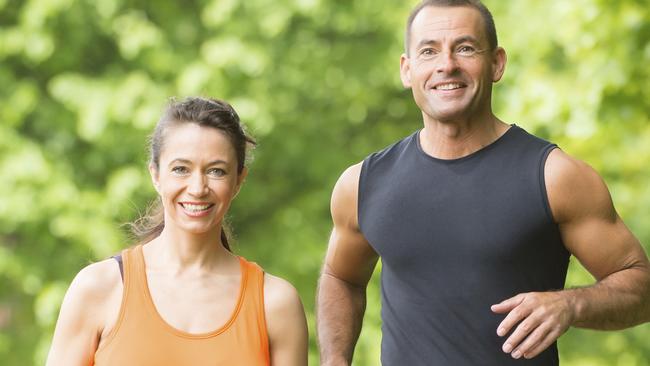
(618, 301)
(340, 309)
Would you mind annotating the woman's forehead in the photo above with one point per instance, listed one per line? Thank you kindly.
(193, 141)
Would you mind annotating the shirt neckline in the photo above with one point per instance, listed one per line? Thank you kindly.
(149, 300)
(483, 149)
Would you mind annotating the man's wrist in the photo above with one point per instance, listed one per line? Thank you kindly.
(333, 360)
(576, 305)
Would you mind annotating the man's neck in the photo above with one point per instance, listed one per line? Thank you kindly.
(456, 139)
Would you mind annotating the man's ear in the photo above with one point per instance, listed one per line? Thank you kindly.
(153, 172)
(405, 70)
(499, 64)
(240, 181)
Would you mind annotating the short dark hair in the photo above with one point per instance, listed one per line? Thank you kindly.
(490, 29)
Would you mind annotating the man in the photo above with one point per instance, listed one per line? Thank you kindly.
(475, 221)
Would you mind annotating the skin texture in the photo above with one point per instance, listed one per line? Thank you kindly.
(448, 45)
(348, 267)
(192, 278)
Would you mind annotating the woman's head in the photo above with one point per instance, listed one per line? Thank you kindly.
(197, 164)
(204, 112)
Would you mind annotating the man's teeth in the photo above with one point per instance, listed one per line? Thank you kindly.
(449, 86)
(195, 208)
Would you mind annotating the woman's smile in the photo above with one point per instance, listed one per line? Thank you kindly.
(196, 209)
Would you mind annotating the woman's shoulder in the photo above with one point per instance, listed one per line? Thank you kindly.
(285, 321)
(281, 299)
(100, 274)
(95, 283)
(86, 304)
(279, 290)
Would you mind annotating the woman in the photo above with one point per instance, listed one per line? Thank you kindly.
(180, 297)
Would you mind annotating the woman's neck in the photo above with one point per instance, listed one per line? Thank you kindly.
(181, 251)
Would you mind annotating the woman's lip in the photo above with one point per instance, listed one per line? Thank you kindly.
(199, 213)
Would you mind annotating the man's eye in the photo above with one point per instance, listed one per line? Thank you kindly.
(427, 52)
(216, 172)
(179, 170)
(466, 50)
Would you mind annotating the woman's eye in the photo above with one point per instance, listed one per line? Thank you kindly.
(180, 170)
(217, 172)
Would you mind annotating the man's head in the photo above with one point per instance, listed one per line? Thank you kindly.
(488, 21)
(451, 62)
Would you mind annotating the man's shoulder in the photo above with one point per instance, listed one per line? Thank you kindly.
(574, 186)
(393, 149)
(530, 137)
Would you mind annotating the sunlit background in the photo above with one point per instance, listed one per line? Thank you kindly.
(82, 83)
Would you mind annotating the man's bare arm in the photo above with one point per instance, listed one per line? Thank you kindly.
(349, 264)
(594, 233)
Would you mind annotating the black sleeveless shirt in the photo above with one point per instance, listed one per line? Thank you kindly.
(456, 236)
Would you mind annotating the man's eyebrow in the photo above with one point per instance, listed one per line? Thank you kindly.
(427, 42)
(461, 39)
(188, 162)
(464, 39)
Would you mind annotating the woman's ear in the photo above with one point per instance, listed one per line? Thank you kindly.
(240, 180)
(153, 172)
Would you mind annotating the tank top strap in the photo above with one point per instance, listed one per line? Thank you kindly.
(129, 272)
(134, 270)
(254, 294)
(133, 298)
(130, 294)
(255, 275)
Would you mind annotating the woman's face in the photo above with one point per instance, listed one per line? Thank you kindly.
(197, 177)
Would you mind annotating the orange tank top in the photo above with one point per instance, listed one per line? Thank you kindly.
(141, 337)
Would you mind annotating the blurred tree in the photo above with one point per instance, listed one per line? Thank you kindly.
(83, 82)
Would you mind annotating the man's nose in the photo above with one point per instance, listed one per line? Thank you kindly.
(446, 63)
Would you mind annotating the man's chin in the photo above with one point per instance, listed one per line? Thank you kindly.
(449, 116)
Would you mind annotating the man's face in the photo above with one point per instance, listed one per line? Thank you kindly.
(450, 67)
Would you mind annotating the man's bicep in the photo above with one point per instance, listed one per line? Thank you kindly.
(350, 258)
(349, 255)
(590, 227)
(603, 247)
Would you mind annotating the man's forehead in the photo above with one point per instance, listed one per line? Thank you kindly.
(461, 19)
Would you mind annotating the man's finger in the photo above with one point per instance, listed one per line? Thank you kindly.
(507, 304)
(534, 339)
(520, 333)
(515, 316)
(550, 337)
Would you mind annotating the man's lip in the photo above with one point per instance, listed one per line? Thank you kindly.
(195, 203)
(436, 85)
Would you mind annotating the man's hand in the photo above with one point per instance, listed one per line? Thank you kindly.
(542, 317)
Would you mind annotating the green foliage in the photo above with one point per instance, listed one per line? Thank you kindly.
(83, 82)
